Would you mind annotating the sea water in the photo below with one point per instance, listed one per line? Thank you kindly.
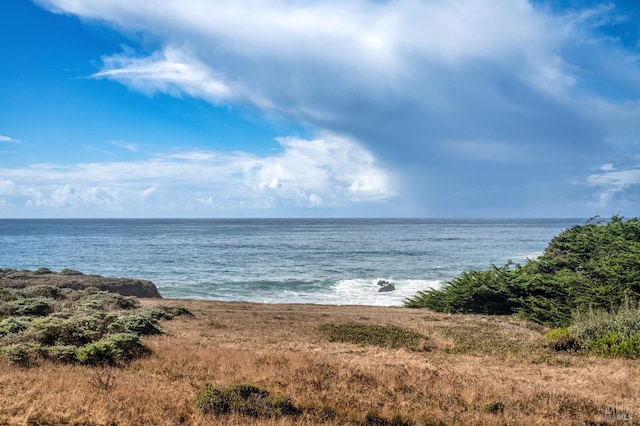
(328, 261)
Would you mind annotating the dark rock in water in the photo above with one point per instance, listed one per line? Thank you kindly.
(385, 286)
(388, 287)
(74, 280)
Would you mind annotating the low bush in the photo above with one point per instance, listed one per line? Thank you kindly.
(19, 354)
(112, 350)
(165, 312)
(606, 333)
(615, 344)
(388, 336)
(245, 400)
(102, 352)
(46, 291)
(77, 330)
(176, 310)
(156, 314)
(11, 326)
(7, 295)
(104, 301)
(43, 271)
(140, 325)
(31, 307)
(65, 354)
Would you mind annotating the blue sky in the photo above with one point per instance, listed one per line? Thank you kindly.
(316, 108)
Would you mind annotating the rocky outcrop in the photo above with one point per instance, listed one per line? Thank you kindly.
(10, 278)
(385, 286)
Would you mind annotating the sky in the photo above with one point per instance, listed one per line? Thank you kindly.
(319, 108)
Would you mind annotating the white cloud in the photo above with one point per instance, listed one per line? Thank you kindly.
(7, 139)
(328, 171)
(172, 71)
(614, 184)
(7, 187)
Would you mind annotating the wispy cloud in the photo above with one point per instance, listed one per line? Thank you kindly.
(125, 145)
(307, 173)
(172, 71)
(7, 139)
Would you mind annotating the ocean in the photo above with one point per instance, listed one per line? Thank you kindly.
(325, 261)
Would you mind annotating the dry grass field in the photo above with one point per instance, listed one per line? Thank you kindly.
(468, 370)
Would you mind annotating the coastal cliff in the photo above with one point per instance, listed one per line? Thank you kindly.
(67, 278)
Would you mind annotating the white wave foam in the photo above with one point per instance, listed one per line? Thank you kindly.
(365, 292)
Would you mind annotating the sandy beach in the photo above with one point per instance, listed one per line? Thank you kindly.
(473, 370)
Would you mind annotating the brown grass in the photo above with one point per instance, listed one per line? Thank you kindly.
(474, 363)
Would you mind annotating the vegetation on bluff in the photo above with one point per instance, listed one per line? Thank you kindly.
(585, 274)
(91, 327)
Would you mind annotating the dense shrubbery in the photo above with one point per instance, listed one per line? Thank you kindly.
(86, 326)
(593, 266)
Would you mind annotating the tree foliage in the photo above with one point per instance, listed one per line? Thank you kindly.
(590, 266)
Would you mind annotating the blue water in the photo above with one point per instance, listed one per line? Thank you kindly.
(330, 261)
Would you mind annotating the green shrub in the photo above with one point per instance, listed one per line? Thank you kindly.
(43, 271)
(103, 300)
(156, 314)
(593, 324)
(19, 354)
(77, 330)
(112, 350)
(11, 326)
(614, 344)
(485, 292)
(388, 336)
(129, 345)
(102, 352)
(244, 399)
(46, 331)
(61, 353)
(31, 307)
(7, 295)
(90, 326)
(176, 310)
(46, 291)
(85, 328)
(140, 325)
(590, 266)
(609, 333)
(165, 312)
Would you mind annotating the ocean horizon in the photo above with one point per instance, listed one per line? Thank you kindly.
(278, 260)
